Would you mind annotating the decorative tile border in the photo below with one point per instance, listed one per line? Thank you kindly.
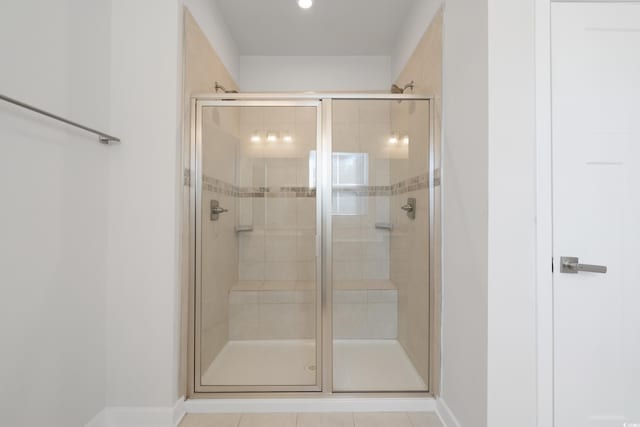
(218, 186)
(414, 183)
(187, 177)
(214, 185)
(366, 191)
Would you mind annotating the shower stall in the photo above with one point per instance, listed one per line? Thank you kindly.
(313, 247)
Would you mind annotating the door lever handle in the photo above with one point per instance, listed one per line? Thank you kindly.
(569, 264)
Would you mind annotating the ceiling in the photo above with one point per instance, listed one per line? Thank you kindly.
(329, 27)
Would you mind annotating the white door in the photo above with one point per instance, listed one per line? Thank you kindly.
(596, 212)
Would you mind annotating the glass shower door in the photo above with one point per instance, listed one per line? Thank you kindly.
(380, 244)
(257, 302)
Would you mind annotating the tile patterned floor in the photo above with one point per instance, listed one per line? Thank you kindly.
(345, 419)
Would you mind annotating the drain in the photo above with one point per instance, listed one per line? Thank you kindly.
(310, 368)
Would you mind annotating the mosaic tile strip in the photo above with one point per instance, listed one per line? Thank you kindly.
(436, 178)
(366, 191)
(217, 186)
(414, 183)
(187, 177)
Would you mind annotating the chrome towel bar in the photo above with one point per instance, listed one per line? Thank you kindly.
(103, 138)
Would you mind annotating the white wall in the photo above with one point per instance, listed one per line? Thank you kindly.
(465, 215)
(489, 336)
(316, 73)
(211, 22)
(144, 220)
(512, 292)
(53, 189)
(421, 15)
(89, 250)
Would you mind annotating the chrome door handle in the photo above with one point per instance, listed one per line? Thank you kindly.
(216, 210)
(569, 264)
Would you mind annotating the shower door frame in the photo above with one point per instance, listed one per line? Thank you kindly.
(196, 159)
(324, 236)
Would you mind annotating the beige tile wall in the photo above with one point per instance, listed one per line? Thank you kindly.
(202, 67)
(282, 243)
(366, 254)
(365, 314)
(409, 242)
(279, 252)
(272, 314)
(409, 252)
(219, 239)
(360, 251)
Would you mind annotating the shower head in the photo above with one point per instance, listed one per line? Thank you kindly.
(397, 89)
(219, 87)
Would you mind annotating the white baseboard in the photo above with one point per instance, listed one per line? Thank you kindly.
(100, 420)
(178, 411)
(328, 404)
(445, 414)
(171, 416)
(145, 416)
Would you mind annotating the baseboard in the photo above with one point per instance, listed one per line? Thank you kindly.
(171, 416)
(178, 411)
(145, 416)
(100, 420)
(318, 404)
(445, 414)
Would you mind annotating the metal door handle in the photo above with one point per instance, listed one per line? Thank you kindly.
(569, 264)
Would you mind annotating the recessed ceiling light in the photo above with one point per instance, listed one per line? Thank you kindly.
(305, 4)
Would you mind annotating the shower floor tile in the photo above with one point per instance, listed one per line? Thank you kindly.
(359, 365)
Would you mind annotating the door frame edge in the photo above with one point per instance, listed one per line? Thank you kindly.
(544, 218)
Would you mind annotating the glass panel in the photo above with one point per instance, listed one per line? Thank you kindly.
(258, 305)
(380, 255)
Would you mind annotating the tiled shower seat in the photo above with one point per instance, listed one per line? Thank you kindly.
(365, 309)
(261, 310)
(286, 310)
